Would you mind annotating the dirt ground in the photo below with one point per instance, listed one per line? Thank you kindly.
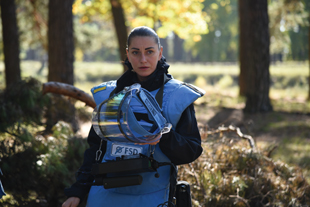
(271, 127)
(279, 135)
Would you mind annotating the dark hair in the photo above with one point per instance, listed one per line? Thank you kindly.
(143, 32)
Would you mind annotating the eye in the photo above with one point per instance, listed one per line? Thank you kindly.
(150, 52)
(134, 52)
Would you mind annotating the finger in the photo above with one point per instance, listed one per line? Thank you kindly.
(75, 203)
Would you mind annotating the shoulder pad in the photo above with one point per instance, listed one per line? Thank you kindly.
(102, 91)
(195, 88)
(103, 86)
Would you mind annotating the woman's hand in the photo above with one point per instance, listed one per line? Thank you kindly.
(71, 202)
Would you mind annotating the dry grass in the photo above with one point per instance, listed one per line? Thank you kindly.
(231, 173)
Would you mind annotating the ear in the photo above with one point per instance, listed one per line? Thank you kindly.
(160, 53)
(127, 54)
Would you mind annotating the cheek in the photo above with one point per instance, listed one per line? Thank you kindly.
(154, 59)
(134, 60)
(131, 59)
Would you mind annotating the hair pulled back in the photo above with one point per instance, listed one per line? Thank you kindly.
(143, 31)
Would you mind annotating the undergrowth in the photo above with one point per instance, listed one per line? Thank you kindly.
(38, 157)
(231, 173)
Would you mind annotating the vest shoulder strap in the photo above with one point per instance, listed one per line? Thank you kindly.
(160, 94)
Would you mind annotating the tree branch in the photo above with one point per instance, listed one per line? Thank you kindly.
(237, 131)
(68, 90)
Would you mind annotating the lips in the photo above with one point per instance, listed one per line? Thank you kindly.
(143, 68)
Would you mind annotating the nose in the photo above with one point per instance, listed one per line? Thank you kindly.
(143, 58)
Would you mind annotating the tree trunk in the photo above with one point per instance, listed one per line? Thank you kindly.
(10, 42)
(243, 44)
(164, 44)
(309, 61)
(60, 41)
(257, 75)
(178, 50)
(120, 28)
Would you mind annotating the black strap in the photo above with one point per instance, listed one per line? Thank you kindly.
(160, 93)
(173, 183)
(112, 92)
(173, 171)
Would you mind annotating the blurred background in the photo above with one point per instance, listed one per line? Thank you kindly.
(220, 37)
(251, 58)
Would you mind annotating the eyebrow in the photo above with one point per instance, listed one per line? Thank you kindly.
(148, 48)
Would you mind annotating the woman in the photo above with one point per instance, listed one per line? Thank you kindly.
(181, 145)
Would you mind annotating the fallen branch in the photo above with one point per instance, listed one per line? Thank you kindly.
(68, 90)
(237, 131)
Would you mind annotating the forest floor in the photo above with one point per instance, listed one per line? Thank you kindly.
(263, 127)
(286, 135)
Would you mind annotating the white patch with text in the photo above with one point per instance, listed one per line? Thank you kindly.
(119, 150)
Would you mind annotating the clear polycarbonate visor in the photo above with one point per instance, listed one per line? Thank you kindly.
(115, 119)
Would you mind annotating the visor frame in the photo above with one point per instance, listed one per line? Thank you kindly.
(125, 118)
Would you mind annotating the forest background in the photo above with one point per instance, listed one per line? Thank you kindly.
(202, 42)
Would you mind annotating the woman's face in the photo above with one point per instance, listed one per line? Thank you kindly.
(143, 54)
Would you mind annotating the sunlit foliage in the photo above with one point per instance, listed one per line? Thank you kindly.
(32, 23)
(285, 16)
(184, 17)
(221, 43)
(210, 28)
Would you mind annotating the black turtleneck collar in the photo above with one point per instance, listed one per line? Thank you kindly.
(153, 82)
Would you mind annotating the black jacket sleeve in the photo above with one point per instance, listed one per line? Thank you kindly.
(83, 177)
(183, 145)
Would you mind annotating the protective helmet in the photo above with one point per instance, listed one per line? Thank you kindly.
(115, 119)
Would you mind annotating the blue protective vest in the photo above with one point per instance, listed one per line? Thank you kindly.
(153, 191)
(2, 193)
